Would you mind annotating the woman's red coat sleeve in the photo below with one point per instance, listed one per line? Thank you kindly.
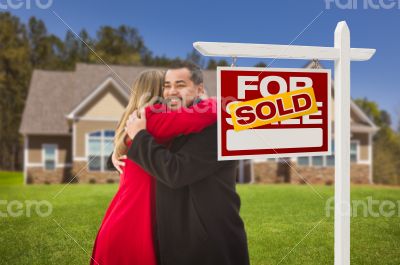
(165, 124)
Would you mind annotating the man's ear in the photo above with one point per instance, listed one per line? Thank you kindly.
(200, 89)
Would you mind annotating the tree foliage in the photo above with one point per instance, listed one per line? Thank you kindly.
(386, 144)
(122, 45)
(15, 70)
(260, 64)
(27, 47)
(212, 64)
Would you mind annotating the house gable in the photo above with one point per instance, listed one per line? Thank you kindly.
(106, 102)
(357, 116)
(109, 104)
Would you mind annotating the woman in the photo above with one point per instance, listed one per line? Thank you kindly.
(126, 233)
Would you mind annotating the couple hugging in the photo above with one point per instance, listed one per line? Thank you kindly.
(176, 204)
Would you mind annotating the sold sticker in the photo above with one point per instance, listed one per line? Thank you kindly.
(274, 108)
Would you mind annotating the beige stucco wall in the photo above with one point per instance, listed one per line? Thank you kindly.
(82, 127)
(363, 139)
(35, 143)
(108, 104)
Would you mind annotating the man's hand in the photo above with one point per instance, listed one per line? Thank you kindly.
(117, 163)
(134, 124)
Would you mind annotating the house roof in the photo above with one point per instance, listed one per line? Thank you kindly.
(54, 94)
(91, 97)
(49, 97)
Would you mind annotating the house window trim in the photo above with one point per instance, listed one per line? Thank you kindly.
(55, 156)
(103, 167)
(357, 150)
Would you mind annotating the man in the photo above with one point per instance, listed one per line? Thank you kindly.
(197, 206)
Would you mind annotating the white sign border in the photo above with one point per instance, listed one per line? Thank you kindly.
(276, 155)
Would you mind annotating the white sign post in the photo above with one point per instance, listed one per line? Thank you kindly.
(342, 54)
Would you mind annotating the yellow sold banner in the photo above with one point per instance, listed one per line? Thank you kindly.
(257, 112)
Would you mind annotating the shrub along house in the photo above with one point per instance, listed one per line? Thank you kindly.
(70, 116)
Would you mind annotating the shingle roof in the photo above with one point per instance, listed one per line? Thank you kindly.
(54, 94)
(49, 98)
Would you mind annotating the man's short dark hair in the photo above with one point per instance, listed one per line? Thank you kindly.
(196, 75)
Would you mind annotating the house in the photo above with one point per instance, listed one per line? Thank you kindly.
(70, 116)
(69, 121)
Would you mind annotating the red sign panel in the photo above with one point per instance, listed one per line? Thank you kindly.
(270, 112)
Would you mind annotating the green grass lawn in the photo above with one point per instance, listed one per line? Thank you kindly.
(11, 178)
(278, 220)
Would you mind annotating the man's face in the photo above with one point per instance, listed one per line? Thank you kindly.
(179, 90)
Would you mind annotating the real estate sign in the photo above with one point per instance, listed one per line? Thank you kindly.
(270, 112)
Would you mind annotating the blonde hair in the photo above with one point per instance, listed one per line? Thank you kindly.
(147, 88)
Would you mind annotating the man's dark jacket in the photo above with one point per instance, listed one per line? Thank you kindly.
(197, 206)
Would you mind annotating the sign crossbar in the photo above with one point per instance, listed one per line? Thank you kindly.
(250, 50)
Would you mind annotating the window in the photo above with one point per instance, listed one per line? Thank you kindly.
(353, 151)
(303, 161)
(317, 161)
(94, 153)
(49, 156)
(99, 147)
(329, 160)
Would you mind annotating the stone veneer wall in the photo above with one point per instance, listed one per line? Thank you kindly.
(85, 176)
(360, 174)
(325, 175)
(267, 172)
(264, 172)
(313, 175)
(37, 175)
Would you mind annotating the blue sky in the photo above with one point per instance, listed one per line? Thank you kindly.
(170, 27)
